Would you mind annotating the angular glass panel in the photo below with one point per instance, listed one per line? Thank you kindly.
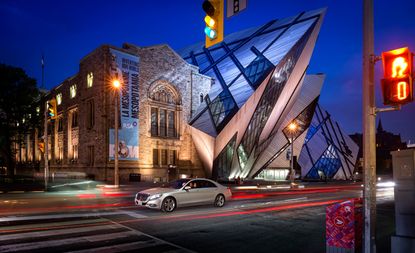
(313, 13)
(238, 36)
(326, 166)
(203, 62)
(301, 122)
(228, 70)
(241, 91)
(279, 48)
(216, 87)
(270, 97)
(222, 163)
(281, 23)
(221, 106)
(258, 70)
(217, 53)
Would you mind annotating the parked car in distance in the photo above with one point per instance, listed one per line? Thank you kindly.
(184, 192)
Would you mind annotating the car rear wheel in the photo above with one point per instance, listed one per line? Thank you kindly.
(168, 205)
(219, 200)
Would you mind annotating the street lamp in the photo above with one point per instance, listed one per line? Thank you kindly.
(292, 128)
(116, 85)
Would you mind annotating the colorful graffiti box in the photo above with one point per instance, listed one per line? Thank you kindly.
(344, 222)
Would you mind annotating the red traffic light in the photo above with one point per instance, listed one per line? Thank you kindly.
(397, 85)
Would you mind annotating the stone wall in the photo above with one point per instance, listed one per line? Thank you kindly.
(159, 66)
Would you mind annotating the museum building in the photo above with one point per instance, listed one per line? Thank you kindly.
(222, 112)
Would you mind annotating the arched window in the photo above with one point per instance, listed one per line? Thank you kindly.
(164, 104)
(201, 97)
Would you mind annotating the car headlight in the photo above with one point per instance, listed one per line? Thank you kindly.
(157, 196)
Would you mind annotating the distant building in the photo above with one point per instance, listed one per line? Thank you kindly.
(385, 143)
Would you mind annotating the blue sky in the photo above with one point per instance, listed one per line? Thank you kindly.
(66, 31)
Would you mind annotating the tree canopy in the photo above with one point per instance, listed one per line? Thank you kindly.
(19, 98)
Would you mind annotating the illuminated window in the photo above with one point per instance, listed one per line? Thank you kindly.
(60, 124)
(155, 157)
(72, 91)
(89, 80)
(74, 118)
(59, 98)
(75, 152)
(60, 153)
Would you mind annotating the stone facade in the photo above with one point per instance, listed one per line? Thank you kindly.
(79, 138)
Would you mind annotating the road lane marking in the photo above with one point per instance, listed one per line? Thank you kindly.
(153, 237)
(121, 247)
(271, 202)
(133, 214)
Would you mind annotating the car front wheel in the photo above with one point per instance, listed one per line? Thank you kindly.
(168, 204)
(219, 200)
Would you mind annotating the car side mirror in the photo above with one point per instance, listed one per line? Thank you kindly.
(187, 188)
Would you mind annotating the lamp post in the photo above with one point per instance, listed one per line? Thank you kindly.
(116, 85)
(292, 127)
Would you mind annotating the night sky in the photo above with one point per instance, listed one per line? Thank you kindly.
(67, 31)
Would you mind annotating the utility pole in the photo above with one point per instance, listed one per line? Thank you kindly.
(45, 138)
(369, 134)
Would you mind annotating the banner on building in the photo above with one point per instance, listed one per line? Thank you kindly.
(124, 67)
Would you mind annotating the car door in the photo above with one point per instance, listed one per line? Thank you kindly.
(206, 191)
(190, 196)
(211, 190)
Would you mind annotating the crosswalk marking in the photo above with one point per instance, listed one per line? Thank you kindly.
(48, 226)
(81, 236)
(56, 232)
(55, 243)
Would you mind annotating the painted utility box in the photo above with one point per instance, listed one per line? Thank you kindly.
(344, 225)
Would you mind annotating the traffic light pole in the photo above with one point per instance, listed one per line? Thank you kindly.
(369, 134)
(45, 138)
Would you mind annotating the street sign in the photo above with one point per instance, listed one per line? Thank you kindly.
(233, 7)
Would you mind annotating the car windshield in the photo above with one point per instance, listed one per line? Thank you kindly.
(177, 184)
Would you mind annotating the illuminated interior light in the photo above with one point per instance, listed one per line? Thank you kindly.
(210, 21)
(402, 90)
(399, 67)
(59, 98)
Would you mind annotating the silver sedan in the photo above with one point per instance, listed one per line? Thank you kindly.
(184, 192)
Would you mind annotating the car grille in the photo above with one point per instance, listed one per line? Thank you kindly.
(142, 196)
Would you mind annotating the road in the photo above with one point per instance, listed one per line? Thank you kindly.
(253, 221)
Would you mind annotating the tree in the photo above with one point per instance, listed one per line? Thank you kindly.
(19, 98)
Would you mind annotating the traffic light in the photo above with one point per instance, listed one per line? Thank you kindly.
(52, 110)
(214, 21)
(397, 84)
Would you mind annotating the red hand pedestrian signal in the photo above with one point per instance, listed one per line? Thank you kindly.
(397, 84)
